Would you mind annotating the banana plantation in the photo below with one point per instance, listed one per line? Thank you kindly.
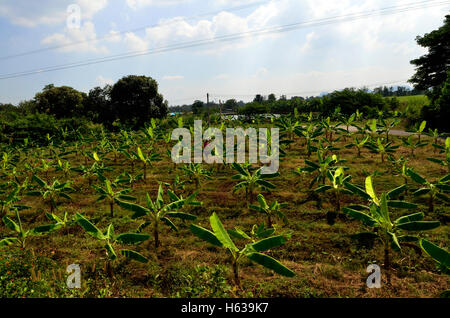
(349, 193)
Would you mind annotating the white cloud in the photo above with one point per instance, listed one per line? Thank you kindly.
(173, 77)
(135, 4)
(178, 30)
(103, 81)
(222, 76)
(310, 37)
(114, 37)
(85, 37)
(47, 12)
(135, 43)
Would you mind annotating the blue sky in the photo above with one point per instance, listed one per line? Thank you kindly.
(304, 62)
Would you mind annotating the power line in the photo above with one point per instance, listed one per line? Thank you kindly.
(114, 34)
(231, 37)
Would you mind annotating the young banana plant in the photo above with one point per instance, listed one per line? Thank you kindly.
(109, 238)
(419, 129)
(441, 256)
(347, 121)
(446, 149)
(220, 237)
(435, 190)
(250, 181)
(272, 210)
(337, 179)
(399, 168)
(177, 186)
(413, 145)
(159, 212)
(358, 144)
(51, 192)
(387, 125)
(377, 216)
(196, 172)
(129, 179)
(147, 160)
(21, 233)
(320, 169)
(382, 148)
(63, 167)
(9, 202)
(310, 133)
(111, 195)
(434, 134)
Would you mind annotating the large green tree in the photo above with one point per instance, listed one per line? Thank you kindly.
(135, 100)
(197, 107)
(98, 105)
(62, 102)
(432, 68)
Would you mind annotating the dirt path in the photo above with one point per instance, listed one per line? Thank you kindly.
(393, 132)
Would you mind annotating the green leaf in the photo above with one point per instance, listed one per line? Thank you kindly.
(39, 181)
(266, 184)
(416, 177)
(169, 223)
(410, 218)
(138, 210)
(182, 216)
(269, 243)
(271, 263)
(370, 191)
(44, 229)
(140, 154)
(422, 126)
(205, 235)
(262, 201)
(10, 224)
(366, 219)
(421, 192)
(127, 197)
(438, 161)
(8, 241)
(396, 192)
(221, 234)
(240, 169)
(323, 188)
(132, 238)
(401, 205)
(89, 227)
(384, 208)
(357, 190)
(110, 251)
(110, 232)
(134, 256)
(419, 225)
(438, 254)
(239, 234)
(394, 240)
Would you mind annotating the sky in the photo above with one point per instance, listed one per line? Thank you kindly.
(304, 61)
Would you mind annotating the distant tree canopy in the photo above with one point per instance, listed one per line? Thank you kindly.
(231, 105)
(432, 68)
(62, 102)
(432, 74)
(197, 107)
(135, 100)
(438, 113)
(132, 102)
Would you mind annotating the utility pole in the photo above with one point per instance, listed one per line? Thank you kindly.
(207, 108)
